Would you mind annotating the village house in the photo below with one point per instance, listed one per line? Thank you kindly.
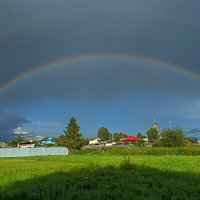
(130, 139)
(27, 144)
(47, 141)
(95, 141)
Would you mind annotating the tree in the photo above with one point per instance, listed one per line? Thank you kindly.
(72, 139)
(14, 141)
(110, 136)
(86, 141)
(139, 135)
(118, 136)
(152, 134)
(172, 138)
(103, 133)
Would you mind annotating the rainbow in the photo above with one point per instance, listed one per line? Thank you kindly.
(96, 56)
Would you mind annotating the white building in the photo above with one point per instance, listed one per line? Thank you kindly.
(95, 141)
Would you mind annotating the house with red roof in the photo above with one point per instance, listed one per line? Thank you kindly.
(131, 139)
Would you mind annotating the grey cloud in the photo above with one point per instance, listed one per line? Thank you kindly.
(130, 28)
(101, 80)
(37, 32)
(8, 122)
(195, 130)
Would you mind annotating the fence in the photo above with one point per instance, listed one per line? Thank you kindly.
(16, 152)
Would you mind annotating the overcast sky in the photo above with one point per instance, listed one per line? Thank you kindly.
(123, 93)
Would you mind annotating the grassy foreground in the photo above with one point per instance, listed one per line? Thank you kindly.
(101, 176)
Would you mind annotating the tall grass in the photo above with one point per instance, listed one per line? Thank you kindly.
(100, 176)
(124, 150)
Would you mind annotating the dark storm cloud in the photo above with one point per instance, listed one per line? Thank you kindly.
(101, 80)
(36, 32)
(8, 122)
(167, 30)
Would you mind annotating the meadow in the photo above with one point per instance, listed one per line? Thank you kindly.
(101, 175)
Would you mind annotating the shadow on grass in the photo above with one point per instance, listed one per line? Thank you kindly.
(95, 182)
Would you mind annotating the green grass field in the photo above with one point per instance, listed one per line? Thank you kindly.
(103, 176)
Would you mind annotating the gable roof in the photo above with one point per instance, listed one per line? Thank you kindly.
(132, 138)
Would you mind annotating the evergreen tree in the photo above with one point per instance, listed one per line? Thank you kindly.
(139, 135)
(72, 139)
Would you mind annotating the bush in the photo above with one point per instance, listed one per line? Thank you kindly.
(140, 143)
(126, 164)
(172, 138)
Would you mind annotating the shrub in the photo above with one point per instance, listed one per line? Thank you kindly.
(172, 138)
(126, 163)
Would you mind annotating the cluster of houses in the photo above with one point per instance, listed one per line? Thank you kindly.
(29, 143)
(44, 142)
(124, 140)
(127, 139)
(48, 141)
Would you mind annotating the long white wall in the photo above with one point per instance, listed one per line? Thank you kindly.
(16, 152)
